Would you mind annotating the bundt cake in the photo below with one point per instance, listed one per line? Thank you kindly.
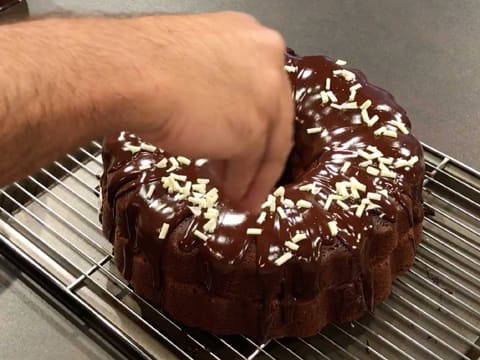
(344, 221)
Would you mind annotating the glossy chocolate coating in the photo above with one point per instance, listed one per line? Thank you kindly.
(315, 158)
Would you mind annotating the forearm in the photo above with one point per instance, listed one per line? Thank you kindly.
(61, 84)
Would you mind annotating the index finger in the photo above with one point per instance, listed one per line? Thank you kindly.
(279, 144)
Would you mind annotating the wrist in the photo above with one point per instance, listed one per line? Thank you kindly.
(138, 85)
(112, 76)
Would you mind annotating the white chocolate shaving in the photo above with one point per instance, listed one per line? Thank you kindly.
(346, 74)
(372, 120)
(401, 126)
(292, 245)
(314, 130)
(299, 237)
(187, 188)
(157, 205)
(162, 234)
(210, 225)
(332, 97)
(366, 104)
(372, 206)
(197, 195)
(201, 188)
(147, 147)
(372, 149)
(389, 133)
(332, 226)
(365, 163)
(196, 211)
(413, 160)
(345, 166)
(184, 160)
(145, 166)
(162, 163)
(352, 96)
(173, 161)
(196, 201)
(366, 155)
(178, 177)
(288, 203)
(355, 193)
(327, 83)
(132, 148)
(306, 187)
(357, 184)
(254, 231)
(350, 105)
(200, 162)
(273, 203)
(200, 235)
(401, 163)
(386, 172)
(150, 191)
(373, 171)
(327, 204)
(365, 117)
(212, 196)
(261, 218)
(355, 87)
(374, 196)
(342, 205)
(360, 209)
(283, 259)
(290, 68)
(386, 160)
(341, 188)
(211, 213)
(379, 131)
(324, 96)
(304, 204)
(281, 212)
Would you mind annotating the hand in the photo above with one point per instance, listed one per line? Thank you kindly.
(217, 90)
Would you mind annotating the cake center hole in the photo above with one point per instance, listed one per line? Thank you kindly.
(287, 175)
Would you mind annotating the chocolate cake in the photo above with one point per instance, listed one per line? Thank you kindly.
(343, 223)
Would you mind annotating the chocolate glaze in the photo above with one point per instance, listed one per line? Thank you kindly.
(315, 157)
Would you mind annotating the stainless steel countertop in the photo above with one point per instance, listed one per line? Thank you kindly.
(425, 52)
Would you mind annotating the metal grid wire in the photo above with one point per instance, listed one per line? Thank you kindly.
(50, 226)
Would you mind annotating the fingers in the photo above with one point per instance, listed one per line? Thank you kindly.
(271, 164)
(236, 109)
(241, 173)
(262, 185)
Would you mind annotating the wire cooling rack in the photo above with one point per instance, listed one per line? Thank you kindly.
(49, 227)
